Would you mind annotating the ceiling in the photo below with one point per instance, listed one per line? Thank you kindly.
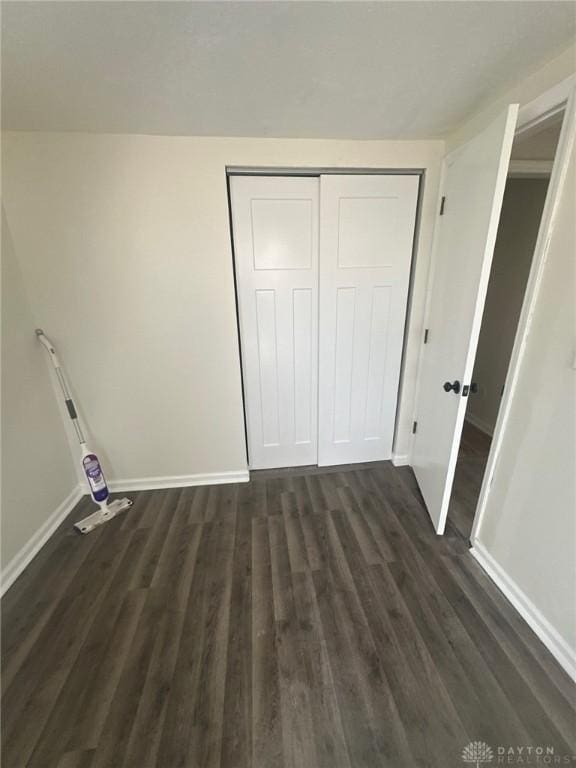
(282, 69)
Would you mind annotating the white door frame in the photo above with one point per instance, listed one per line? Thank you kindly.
(561, 96)
(325, 171)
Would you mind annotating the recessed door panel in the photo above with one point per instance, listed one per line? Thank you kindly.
(282, 232)
(376, 395)
(268, 374)
(367, 231)
(304, 304)
(343, 363)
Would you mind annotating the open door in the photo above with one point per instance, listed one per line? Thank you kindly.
(473, 189)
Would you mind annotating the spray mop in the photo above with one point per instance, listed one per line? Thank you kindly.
(90, 463)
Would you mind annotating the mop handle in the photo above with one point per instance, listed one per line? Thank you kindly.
(47, 344)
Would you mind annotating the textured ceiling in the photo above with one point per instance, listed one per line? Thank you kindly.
(293, 69)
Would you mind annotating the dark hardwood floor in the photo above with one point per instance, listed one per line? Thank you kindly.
(472, 458)
(305, 620)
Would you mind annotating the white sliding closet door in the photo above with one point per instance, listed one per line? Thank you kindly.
(275, 223)
(366, 236)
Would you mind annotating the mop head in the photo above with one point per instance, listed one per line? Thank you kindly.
(102, 515)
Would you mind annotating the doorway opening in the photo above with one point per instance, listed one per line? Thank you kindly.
(533, 154)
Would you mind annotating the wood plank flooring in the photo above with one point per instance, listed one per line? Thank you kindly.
(302, 620)
(472, 459)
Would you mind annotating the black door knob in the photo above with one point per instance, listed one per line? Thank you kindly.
(452, 387)
(473, 388)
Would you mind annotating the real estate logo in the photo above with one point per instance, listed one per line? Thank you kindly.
(477, 752)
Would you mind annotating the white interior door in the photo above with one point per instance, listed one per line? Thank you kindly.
(366, 238)
(474, 180)
(275, 225)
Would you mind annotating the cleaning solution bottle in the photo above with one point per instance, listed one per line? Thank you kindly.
(94, 475)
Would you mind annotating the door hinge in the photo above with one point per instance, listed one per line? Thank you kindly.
(426, 331)
(442, 204)
(414, 427)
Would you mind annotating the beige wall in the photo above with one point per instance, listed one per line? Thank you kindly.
(529, 526)
(124, 244)
(37, 468)
(517, 233)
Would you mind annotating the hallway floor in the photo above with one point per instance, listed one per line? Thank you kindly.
(472, 458)
(304, 619)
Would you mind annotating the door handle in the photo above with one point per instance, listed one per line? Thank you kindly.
(473, 388)
(452, 387)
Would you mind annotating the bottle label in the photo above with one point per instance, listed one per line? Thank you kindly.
(94, 473)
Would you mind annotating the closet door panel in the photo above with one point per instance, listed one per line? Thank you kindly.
(366, 237)
(275, 230)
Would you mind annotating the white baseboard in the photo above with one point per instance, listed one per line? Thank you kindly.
(400, 459)
(15, 567)
(479, 424)
(558, 647)
(178, 481)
